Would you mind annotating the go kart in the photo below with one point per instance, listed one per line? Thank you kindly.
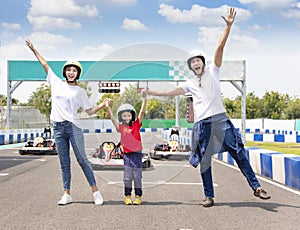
(171, 149)
(110, 156)
(39, 146)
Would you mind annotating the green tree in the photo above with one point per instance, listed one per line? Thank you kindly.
(274, 104)
(293, 109)
(3, 100)
(154, 109)
(41, 99)
(253, 106)
(102, 113)
(233, 107)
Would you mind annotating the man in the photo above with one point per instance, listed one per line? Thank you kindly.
(213, 132)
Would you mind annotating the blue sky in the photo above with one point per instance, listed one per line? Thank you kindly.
(266, 34)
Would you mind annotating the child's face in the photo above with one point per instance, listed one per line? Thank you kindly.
(126, 116)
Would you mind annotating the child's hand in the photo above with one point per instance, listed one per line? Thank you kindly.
(29, 44)
(144, 93)
(108, 102)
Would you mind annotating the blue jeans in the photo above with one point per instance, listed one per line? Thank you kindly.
(220, 136)
(133, 169)
(65, 133)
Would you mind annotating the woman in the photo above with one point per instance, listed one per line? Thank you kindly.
(67, 98)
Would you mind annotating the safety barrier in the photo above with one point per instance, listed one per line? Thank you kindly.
(282, 168)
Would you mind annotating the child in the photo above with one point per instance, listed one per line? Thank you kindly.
(129, 127)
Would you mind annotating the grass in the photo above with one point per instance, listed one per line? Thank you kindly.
(286, 148)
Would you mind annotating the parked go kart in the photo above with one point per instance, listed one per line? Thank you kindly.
(172, 148)
(39, 146)
(110, 156)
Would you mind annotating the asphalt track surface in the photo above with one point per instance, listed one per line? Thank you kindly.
(30, 187)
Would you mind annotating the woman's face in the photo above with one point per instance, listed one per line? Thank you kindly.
(71, 73)
(197, 65)
(126, 116)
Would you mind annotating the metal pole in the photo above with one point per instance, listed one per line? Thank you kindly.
(244, 96)
(177, 123)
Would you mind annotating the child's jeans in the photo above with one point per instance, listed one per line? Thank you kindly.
(133, 171)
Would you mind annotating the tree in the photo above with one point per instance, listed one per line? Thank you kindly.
(154, 109)
(3, 100)
(253, 106)
(41, 99)
(102, 113)
(293, 109)
(274, 104)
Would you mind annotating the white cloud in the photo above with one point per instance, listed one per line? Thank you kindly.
(133, 24)
(270, 4)
(199, 14)
(52, 23)
(256, 27)
(49, 39)
(53, 15)
(293, 13)
(123, 2)
(57, 8)
(11, 26)
(96, 53)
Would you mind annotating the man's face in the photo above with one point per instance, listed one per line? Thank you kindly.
(197, 65)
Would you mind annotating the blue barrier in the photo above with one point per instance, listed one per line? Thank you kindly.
(18, 137)
(2, 138)
(278, 138)
(258, 137)
(292, 172)
(266, 164)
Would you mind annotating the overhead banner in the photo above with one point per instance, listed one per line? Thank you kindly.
(121, 70)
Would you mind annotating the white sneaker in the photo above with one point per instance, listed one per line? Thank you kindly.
(65, 199)
(98, 198)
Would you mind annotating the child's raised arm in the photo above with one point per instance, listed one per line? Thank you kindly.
(143, 107)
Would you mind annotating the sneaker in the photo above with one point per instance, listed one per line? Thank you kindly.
(98, 198)
(262, 194)
(127, 200)
(65, 199)
(208, 202)
(137, 200)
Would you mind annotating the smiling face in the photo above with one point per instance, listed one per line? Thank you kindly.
(126, 116)
(197, 65)
(71, 73)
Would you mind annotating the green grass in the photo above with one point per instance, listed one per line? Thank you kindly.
(286, 148)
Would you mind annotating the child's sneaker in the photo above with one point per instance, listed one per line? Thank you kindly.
(137, 200)
(127, 200)
(98, 198)
(65, 199)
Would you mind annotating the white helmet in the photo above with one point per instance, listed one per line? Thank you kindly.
(126, 107)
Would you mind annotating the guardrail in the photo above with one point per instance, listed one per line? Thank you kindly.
(282, 168)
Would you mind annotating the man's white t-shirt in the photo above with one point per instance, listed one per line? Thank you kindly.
(207, 100)
(66, 100)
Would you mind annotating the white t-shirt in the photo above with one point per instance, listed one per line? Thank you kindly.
(66, 100)
(207, 100)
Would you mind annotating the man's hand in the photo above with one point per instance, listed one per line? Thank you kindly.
(230, 17)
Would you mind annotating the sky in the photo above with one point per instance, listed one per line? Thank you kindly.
(266, 34)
